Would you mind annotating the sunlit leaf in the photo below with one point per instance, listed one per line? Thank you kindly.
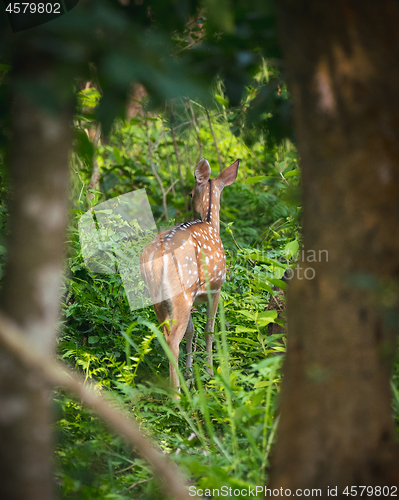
(291, 248)
(257, 178)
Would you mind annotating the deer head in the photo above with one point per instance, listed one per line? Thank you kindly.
(206, 193)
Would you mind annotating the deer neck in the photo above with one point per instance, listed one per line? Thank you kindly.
(212, 210)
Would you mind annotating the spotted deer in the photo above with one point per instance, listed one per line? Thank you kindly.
(179, 262)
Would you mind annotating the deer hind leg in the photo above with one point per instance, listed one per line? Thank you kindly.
(189, 344)
(172, 331)
(209, 327)
(181, 314)
(162, 312)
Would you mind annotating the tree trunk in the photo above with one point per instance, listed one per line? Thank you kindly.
(30, 295)
(336, 426)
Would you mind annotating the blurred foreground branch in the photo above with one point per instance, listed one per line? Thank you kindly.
(13, 338)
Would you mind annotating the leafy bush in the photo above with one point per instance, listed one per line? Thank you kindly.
(222, 429)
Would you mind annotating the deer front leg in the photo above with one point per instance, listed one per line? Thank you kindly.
(189, 344)
(210, 323)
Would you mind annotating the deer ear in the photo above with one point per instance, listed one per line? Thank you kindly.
(202, 172)
(229, 175)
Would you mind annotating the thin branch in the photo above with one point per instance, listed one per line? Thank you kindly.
(192, 44)
(154, 171)
(179, 166)
(194, 122)
(284, 179)
(16, 340)
(95, 176)
(168, 161)
(188, 162)
(177, 157)
(139, 482)
(172, 186)
(215, 142)
(260, 164)
(166, 132)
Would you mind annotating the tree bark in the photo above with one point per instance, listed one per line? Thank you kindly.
(30, 295)
(336, 427)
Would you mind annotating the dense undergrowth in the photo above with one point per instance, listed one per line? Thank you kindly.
(222, 429)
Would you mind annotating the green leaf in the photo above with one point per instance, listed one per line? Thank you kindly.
(257, 178)
(83, 118)
(263, 383)
(266, 317)
(246, 313)
(228, 213)
(267, 260)
(244, 340)
(280, 166)
(107, 211)
(279, 283)
(271, 314)
(117, 155)
(93, 339)
(83, 147)
(244, 329)
(291, 248)
(222, 101)
(264, 286)
(292, 173)
(268, 362)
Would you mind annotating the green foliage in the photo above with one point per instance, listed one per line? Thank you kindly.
(222, 429)
(210, 59)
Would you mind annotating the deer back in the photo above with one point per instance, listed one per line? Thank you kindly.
(179, 261)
